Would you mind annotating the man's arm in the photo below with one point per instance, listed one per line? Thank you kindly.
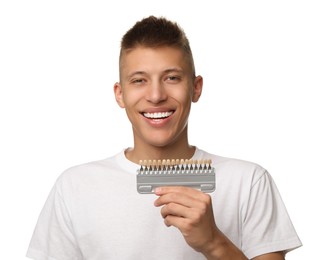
(191, 212)
(271, 256)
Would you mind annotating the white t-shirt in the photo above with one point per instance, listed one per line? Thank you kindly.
(94, 212)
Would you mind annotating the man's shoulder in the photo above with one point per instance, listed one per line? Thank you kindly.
(91, 168)
(234, 166)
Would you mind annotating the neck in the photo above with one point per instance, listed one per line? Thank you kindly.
(147, 152)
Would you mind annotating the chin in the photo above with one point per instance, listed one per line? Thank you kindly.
(158, 144)
(159, 139)
(163, 142)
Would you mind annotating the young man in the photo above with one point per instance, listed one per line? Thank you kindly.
(94, 210)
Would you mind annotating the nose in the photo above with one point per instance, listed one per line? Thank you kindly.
(156, 92)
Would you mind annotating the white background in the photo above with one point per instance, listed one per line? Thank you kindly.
(263, 64)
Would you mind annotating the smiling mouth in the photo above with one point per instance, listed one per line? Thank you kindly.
(158, 115)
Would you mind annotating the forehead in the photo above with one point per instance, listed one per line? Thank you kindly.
(152, 59)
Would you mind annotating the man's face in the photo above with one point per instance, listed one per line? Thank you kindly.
(156, 89)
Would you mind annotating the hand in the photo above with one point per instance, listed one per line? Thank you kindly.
(191, 212)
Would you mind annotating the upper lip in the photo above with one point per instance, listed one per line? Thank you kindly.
(157, 110)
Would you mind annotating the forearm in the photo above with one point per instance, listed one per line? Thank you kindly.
(221, 248)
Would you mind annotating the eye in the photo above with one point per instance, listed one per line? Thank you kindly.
(137, 81)
(173, 78)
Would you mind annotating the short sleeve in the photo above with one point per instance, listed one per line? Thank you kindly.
(53, 237)
(266, 224)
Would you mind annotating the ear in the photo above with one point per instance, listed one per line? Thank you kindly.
(197, 91)
(119, 94)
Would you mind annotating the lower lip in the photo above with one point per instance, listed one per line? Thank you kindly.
(158, 122)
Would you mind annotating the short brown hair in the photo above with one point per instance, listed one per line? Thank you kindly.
(156, 32)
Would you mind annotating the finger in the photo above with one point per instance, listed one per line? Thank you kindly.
(191, 198)
(183, 224)
(178, 198)
(175, 210)
(177, 189)
(180, 193)
(176, 221)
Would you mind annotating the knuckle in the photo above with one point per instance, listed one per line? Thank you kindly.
(173, 196)
(196, 217)
(207, 199)
(166, 221)
(169, 207)
(187, 226)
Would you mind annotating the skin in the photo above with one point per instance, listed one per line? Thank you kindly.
(159, 80)
(150, 86)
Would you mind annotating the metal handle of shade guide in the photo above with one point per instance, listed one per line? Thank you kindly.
(200, 179)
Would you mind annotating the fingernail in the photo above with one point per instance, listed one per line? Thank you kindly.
(157, 190)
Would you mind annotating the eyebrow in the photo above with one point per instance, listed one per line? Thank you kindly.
(174, 70)
(164, 72)
(136, 73)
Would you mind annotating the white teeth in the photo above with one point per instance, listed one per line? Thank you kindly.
(158, 114)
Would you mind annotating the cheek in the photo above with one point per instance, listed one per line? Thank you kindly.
(183, 97)
(128, 98)
(131, 99)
